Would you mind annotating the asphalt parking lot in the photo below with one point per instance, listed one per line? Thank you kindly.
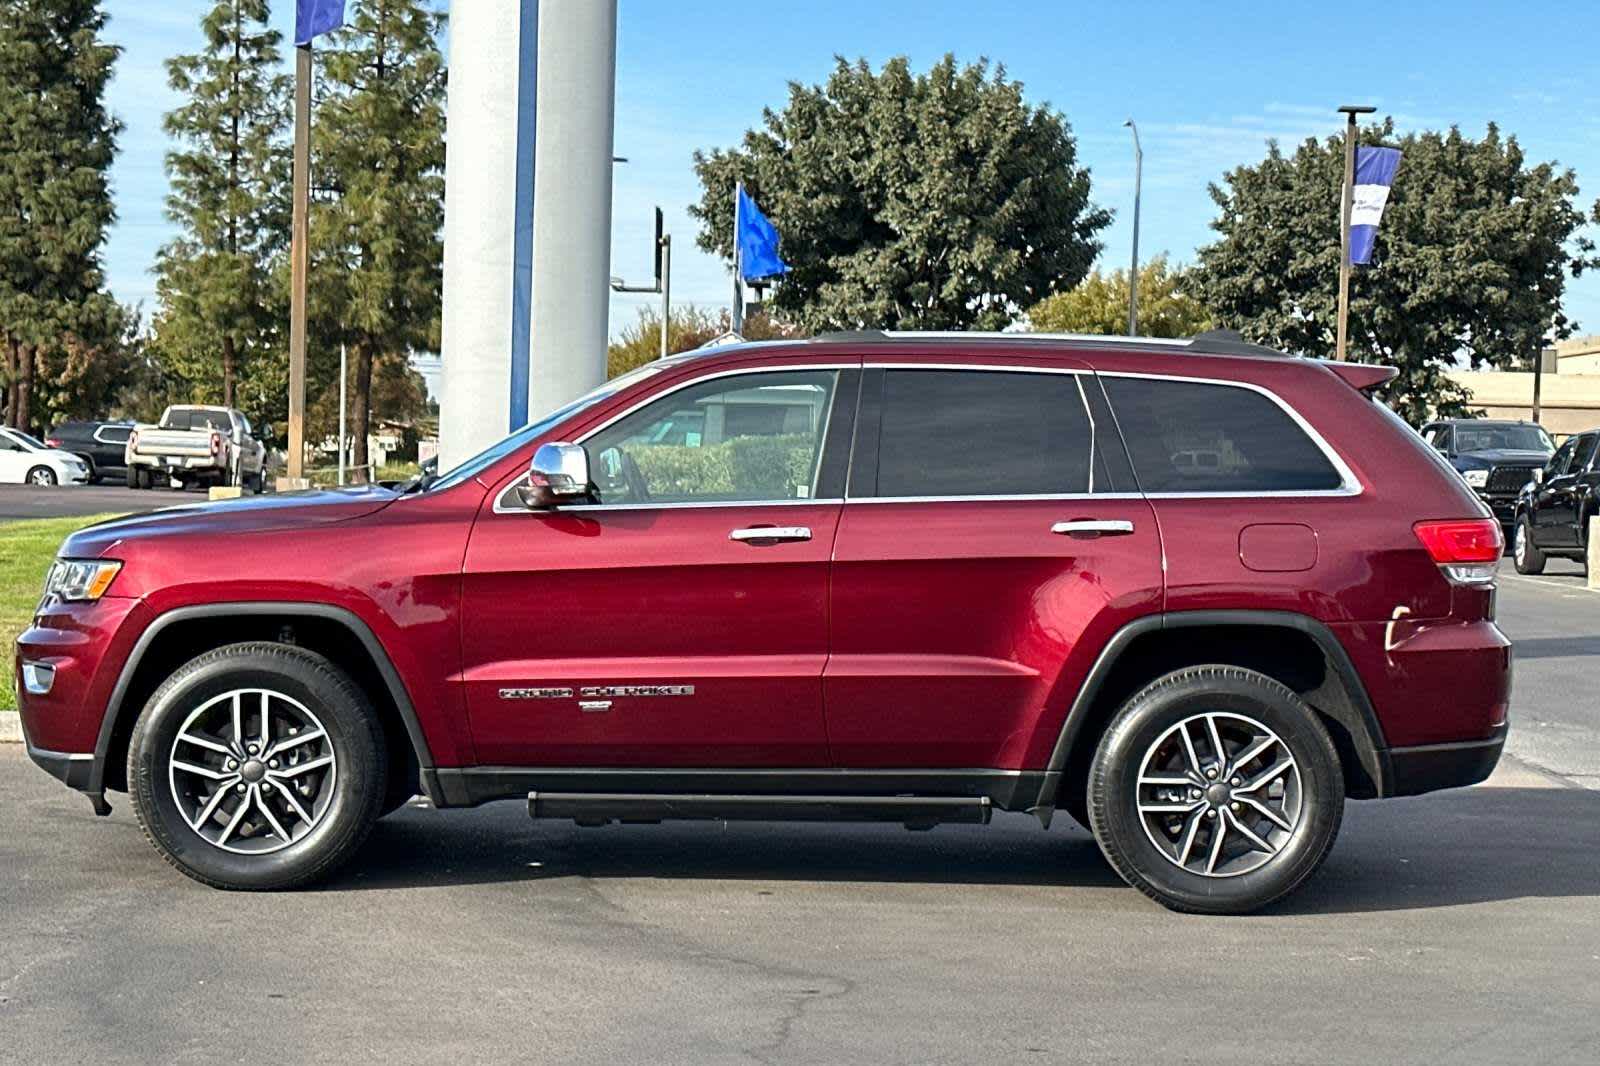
(67, 501)
(1462, 927)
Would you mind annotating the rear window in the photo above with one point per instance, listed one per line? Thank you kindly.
(1188, 436)
(196, 419)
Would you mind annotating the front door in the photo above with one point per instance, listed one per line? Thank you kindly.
(679, 617)
(992, 540)
(1555, 501)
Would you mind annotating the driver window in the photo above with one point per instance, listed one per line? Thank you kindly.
(1559, 461)
(747, 438)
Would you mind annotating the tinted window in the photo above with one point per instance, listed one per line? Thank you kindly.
(1187, 436)
(1561, 459)
(749, 437)
(1585, 453)
(982, 433)
(115, 434)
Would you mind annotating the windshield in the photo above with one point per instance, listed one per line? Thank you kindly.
(499, 450)
(32, 442)
(1524, 438)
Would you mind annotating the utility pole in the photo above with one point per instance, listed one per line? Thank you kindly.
(1347, 197)
(1133, 273)
(299, 260)
(344, 381)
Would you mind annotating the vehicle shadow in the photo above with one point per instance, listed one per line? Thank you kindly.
(1555, 647)
(1467, 846)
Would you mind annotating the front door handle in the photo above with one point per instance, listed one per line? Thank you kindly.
(772, 533)
(1094, 527)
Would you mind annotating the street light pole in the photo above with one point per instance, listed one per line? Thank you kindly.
(1347, 197)
(1133, 273)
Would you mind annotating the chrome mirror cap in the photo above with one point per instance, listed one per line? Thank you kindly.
(559, 473)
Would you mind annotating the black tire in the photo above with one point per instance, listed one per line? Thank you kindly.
(131, 476)
(1144, 720)
(41, 475)
(354, 736)
(1525, 554)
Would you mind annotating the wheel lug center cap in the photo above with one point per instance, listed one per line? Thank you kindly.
(1217, 794)
(253, 771)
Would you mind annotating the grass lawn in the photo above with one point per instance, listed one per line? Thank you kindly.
(26, 549)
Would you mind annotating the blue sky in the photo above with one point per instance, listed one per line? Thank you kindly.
(1208, 84)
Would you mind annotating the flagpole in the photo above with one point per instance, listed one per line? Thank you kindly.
(299, 260)
(738, 282)
(1347, 197)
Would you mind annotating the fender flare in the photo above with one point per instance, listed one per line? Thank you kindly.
(1365, 731)
(350, 620)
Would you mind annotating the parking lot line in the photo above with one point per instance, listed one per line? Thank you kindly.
(1546, 581)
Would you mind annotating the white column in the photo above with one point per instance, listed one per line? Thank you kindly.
(572, 211)
(487, 39)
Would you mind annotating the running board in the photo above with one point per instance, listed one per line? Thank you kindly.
(602, 808)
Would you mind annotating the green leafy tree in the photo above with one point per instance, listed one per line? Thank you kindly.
(918, 201)
(376, 234)
(1470, 264)
(691, 327)
(230, 181)
(1099, 304)
(57, 142)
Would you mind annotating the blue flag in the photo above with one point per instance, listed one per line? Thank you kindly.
(757, 240)
(1375, 168)
(314, 17)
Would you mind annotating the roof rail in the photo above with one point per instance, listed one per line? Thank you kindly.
(1212, 342)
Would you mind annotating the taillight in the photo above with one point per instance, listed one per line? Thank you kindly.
(216, 443)
(133, 439)
(54, 442)
(1468, 550)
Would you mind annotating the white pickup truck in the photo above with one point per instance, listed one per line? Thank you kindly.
(196, 445)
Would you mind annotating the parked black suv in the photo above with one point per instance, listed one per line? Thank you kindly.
(1496, 458)
(103, 445)
(1553, 510)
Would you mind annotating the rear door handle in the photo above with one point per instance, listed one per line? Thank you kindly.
(771, 533)
(1094, 527)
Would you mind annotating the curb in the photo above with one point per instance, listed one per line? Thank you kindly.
(10, 727)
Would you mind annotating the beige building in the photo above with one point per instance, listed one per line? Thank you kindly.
(1569, 394)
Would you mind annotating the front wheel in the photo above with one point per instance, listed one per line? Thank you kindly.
(1525, 554)
(1215, 791)
(41, 475)
(257, 766)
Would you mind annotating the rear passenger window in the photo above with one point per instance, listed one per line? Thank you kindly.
(982, 433)
(1188, 436)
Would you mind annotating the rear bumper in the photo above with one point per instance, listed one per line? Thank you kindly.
(1430, 767)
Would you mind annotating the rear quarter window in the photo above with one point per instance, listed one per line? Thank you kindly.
(1189, 436)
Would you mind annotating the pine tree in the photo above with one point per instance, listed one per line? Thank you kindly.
(378, 158)
(57, 142)
(230, 183)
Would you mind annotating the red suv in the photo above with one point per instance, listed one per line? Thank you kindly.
(1194, 593)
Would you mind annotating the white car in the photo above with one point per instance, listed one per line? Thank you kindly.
(26, 461)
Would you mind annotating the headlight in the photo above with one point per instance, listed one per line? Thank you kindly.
(79, 579)
(1476, 478)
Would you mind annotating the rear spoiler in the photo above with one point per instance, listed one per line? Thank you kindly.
(1363, 376)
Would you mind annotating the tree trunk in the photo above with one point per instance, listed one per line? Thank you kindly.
(229, 355)
(24, 406)
(361, 410)
(13, 372)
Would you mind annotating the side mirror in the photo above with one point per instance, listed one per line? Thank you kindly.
(558, 474)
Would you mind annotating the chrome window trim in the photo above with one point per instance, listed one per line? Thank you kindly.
(501, 507)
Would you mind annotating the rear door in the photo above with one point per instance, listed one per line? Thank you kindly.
(1555, 502)
(680, 618)
(991, 542)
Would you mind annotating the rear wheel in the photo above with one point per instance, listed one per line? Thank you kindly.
(257, 766)
(1215, 791)
(41, 475)
(1524, 553)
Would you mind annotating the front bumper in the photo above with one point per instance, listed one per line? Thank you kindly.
(70, 768)
(1430, 767)
(1504, 505)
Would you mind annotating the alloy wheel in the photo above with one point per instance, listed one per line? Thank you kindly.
(252, 771)
(1219, 794)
